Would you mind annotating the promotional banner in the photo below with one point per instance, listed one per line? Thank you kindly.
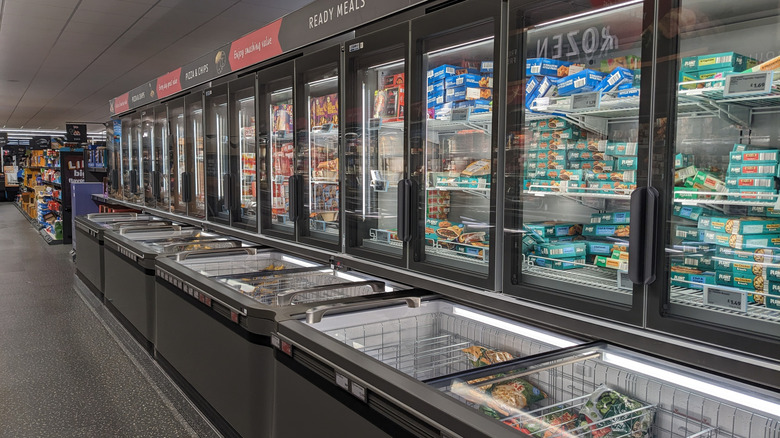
(76, 133)
(169, 84)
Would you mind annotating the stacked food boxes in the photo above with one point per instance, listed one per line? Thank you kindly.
(751, 173)
(437, 204)
(713, 66)
(467, 86)
(607, 239)
(556, 245)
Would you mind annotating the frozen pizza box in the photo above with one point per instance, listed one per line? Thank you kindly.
(739, 241)
(561, 264)
(738, 266)
(746, 281)
(773, 302)
(562, 250)
(750, 156)
(761, 255)
(600, 230)
(742, 169)
(745, 225)
(553, 229)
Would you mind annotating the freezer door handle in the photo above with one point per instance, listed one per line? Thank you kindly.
(406, 206)
(134, 181)
(641, 241)
(228, 191)
(187, 190)
(220, 252)
(296, 197)
(315, 314)
(156, 176)
(286, 298)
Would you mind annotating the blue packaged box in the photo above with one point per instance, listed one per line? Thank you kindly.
(629, 92)
(531, 84)
(436, 87)
(599, 248)
(467, 80)
(443, 111)
(461, 93)
(477, 106)
(545, 67)
(486, 67)
(692, 281)
(586, 80)
(546, 87)
(617, 77)
(435, 98)
(441, 72)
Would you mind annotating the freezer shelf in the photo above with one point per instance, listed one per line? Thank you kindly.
(437, 339)
(583, 274)
(695, 298)
(603, 391)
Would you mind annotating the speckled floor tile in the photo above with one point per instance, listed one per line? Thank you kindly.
(67, 367)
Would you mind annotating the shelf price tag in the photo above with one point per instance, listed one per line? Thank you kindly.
(586, 101)
(623, 281)
(725, 298)
(460, 115)
(748, 84)
(342, 381)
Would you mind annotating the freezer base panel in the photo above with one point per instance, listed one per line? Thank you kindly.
(130, 291)
(92, 288)
(89, 260)
(128, 325)
(231, 369)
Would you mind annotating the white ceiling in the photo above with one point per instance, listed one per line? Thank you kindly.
(62, 60)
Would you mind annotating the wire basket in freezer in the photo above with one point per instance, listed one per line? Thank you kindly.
(221, 265)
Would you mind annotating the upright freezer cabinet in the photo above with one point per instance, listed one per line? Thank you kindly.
(147, 164)
(186, 155)
(576, 159)
(179, 188)
(215, 313)
(528, 382)
(716, 161)
(161, 164)
(130, 150)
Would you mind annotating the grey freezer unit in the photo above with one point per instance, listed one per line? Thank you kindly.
(129, 270)
(89, 232)
(405, 370)
(214, 340)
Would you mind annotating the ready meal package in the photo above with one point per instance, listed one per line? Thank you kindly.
(553, 229)
(550, 124)
(437, 229)
(476, 168)
(610, 414)
(618, 217)
(741, 168)
(562, 250)
(481, 356)
(744, 225)
(740, 241)
(692, 280)
(561, 264)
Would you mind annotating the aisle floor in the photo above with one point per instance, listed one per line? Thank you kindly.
(67, 368)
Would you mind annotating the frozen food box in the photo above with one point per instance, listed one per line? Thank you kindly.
(688, 233)
(586, 80)
(692, 280)
(617, 77)
(439, 229)
(546, 87)
(761, 255)
(436, 87)
(486, 67)
(629, 61)
(628, 92)
(626, 163)
(714, 78)
(477, 106)
(723, 264)
(744, 225)
(571, 175)
(605, 262)
(695, 247)
(691, 212)
(605, 230)
(704, 180)
(562, 250)
(585, 155)
(561, 264)
(462, 93)
(681, 175)
(595, 247)
(683, 160)
(718, 60)
(621, 148)
(744, 281)
(593, 166)
(435, 98)
(701, 262)
(611, 187)
(551, 124)
(767, 169)
(742, 241)
(553, 229)
(555, 155)
(620, 255)
(531, 84)
(763, 211)
(616, 218)
(468, 80)
(441, 72)
(751, 156)
(749, 183)
(546, 67)
(392, 81)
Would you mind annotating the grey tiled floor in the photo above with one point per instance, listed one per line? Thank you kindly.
(67, 368)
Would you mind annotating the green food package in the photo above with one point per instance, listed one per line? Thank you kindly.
(609, 413)
(509, 397)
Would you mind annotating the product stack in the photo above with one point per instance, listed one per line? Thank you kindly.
(712, 69)
(468, 87)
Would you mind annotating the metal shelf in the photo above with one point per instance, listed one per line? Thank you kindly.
(695, 298)
(585, 275)
(766, 200)
(459, 256)
(534, 189)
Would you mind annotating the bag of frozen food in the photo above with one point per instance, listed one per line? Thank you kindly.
(476, 168)
(507, 398)
(554, 424)
(481, 356)
(608, 413)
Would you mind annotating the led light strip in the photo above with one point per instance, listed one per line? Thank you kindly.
(514, 328)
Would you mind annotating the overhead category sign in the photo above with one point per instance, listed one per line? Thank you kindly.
(312, 23)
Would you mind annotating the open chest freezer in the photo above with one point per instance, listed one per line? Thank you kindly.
(89, 232)
(550, 387)
(129, 269)
(381, 354)
(216, 311)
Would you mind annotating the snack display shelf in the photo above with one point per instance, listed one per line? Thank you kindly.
(50, 238)
(51, 183)
(715, 94)
(695, 298)
(585, 275)
(539, 190)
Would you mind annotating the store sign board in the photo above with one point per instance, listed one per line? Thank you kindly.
(76, 132)
(731, 299)
(256, 47)
(206, 68)
(39, 142)
(750, 84)
(3, 139)
(169, 84)
(144, 94)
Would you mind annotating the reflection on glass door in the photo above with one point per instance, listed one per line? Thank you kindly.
(243, 143)
(161, 164)
(147, 150)
(196, 165)
(127, 162)
(177, 156)
(217, 155)
(375, 146)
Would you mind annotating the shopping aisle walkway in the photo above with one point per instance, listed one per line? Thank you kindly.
(67, 368)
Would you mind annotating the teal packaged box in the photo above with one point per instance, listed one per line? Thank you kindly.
(561, 264)
(584, 155)
(695, 247)
(598, 248)
(693, 281)
(739, 241)
(683, 160)
(550, 124)
(745, 225)
(564, 134)
(772, 272)
(691, 212)
(759, 156)
(742, 169)
(704, 222)
(556, 155)
(621, 148)
(750, 182)
(605, 230)
(528, 243)
(718, 60)
(626, 163)
(616, 218)
(553, 229)
(761, 255)
(702, 263)
(742, 281)
(687, 233)
(773, 302)
(738, 266)
(562, 250)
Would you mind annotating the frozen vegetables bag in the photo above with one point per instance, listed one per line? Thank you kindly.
(608, 413)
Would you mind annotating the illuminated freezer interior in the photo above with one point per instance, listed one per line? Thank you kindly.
(245, 107)
(282, 155)
(148, 166)
(438, 338)
(166, 241)
(322, 153)
(606, 391)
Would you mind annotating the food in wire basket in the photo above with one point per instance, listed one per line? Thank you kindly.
(509, 397)
(553, 424)
(608, 413)
(481, 356)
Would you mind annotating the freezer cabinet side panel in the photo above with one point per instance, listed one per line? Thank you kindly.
(130, 291)
(233, 375)
(89, 261)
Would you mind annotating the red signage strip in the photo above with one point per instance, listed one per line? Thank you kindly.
(169, 84)
(256, 47)
(121, 103)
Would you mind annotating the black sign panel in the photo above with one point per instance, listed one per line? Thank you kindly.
(3, 139)
(140, 96)
(40, 143)
(206, 68)
(76, 133)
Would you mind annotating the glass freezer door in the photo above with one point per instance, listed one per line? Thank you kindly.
(177, 158)
(318, 148)
(160, 163)
(196, 161)
(376, 144)
(454, 142)
(114, 162)
(125, 161)
(147, 151)
(218, 174)
(574, 157)
(243, 150)
(136, 155)
(720, 252)
(276, 136)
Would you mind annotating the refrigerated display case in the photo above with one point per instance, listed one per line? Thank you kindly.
(383, 354)
(217, 166)
(136, 156)
(574, 158)
(177, 157)
(114, 151)
(90, 266)
(454, 135)
(129, 166)
(161, 164)
(718, 249)
(196, 156)
(129, 269)
(228, 300)
(375, 147)
(244, 150)
(276, 136)
(146, 143)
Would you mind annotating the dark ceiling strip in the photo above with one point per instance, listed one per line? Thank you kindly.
(2, 9)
